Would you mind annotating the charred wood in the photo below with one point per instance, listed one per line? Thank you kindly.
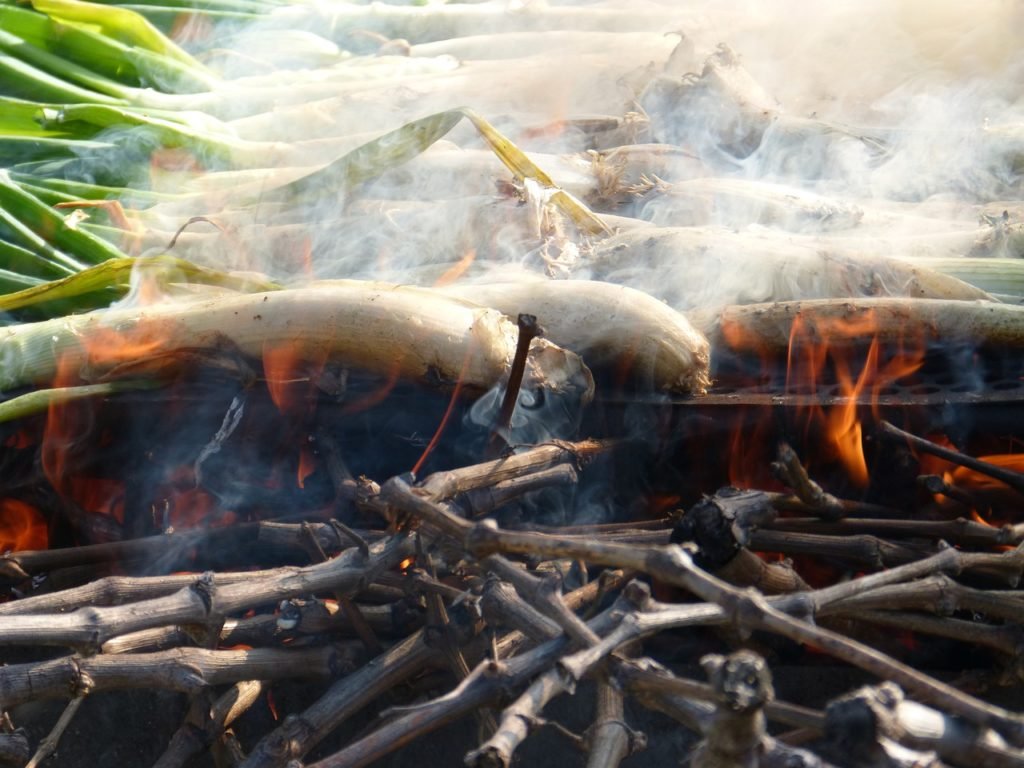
(862, 550)
(483, 500)
(721, 526)
(791, 472)
(524, 714)
(48, 746)
(741, 685)
(287, 537)
(503, 608)
(204, 602)
(646, 678)
(938, 594)
(294, 619)
(300, 733)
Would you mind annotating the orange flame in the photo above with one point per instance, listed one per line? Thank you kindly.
(183, 505)
(21, 527)
(378, 395)
(71, 424)
(292, 371)
(107, 347)
(973, 479)
(457, 270)
(272, 705)
(844, 355)
(67, 425)
(810, 351)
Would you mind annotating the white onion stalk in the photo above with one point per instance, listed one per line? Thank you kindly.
(705, 269)
(607, 324)
(769, 326)
(740, 202)
(381, 328)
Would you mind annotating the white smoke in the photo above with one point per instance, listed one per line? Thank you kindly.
(847, 128)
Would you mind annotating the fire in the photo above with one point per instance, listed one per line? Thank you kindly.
(272, 705)
(972, 479)
(71, 426)
(20, 440)
(292, 371)
(933, 465)
(378, 395)
(995, 501)
(106, 347)
(809, 355)
(457, 270)
(21, 527)
(67, 425)
(825, 355)
(181, 504)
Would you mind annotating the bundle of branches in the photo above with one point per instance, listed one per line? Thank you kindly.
(504, 621)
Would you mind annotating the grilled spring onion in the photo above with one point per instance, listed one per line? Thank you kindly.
(116, 275)
(769, 326)
(386, 329)
(42, 400)
(45, 230)
(613, 325)
(695, 268)
(411, 139)
(996, 276)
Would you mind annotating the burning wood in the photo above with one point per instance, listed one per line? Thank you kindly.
(612, 632)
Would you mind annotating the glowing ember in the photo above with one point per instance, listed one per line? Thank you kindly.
(272, 705)
(20, 440)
